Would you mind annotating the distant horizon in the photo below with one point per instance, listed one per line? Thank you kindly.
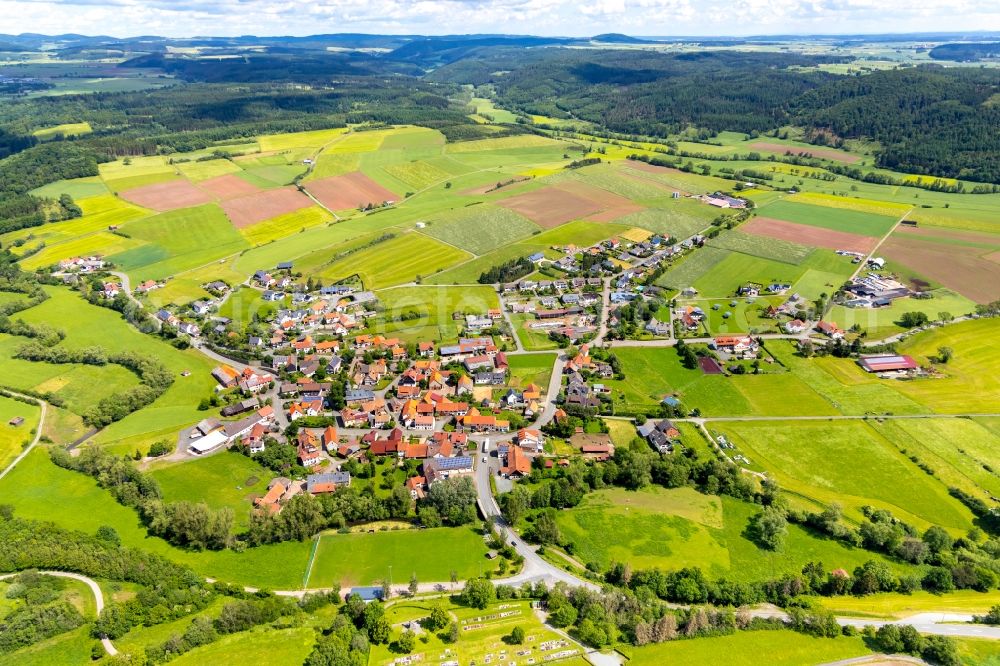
(669, 19)
(967, 34)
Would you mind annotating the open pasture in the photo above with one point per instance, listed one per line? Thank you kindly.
(679, 218)
(78, 188)
(396, 261)
(971, 271)
(503, 143)
(531, 369)
(271, 647)
(362, 558)
(686, 183)
(837, 219)
(64, 131)
(818, 461)
(172, 195)
(351, 190)
(737, 268)
(249, 210)
(779, 230)
(480, 229)
(225, 480)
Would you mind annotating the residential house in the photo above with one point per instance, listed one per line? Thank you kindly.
(327, 483)
(440, 469)
(516, 464)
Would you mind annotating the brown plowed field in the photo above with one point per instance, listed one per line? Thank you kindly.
(349, 191)
(168, 196)
(815, 151)
(551, 206)
(228, 187)
(805, 234)
(244, 211)
(967, 270)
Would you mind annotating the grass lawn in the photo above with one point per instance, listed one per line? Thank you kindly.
(434, 305)
(692, 267)
(531, 369)
(893, 605)
(978, 652)
(481, 634)
(402, 259)
(736, 269)
(243, 304)
(13, 438)
(345, 560)
(819, 461)
(222, 480)
(748, 648)
(178, 241)
(840, 219)
(622, 432)
(673, 528)
(264, 646)
(531, 339)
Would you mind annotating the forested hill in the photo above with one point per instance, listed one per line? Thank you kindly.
(930, 120)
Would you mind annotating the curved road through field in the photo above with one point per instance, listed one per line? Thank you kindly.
(109, 647)
(38, 433)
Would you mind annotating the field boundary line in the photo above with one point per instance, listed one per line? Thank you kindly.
(312, 559)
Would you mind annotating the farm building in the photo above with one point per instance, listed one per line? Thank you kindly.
(887, 363)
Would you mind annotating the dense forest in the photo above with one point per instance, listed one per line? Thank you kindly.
(929, 120)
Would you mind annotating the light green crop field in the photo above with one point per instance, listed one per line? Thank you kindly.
(397, 261)
(101, 243)
(502, 143)
(227, 479)
(886, 208)
(680, 218)
(765, 248)
(839, 219)
(314, 139)
(178, 241)
(693, 267)
(417, 174)
(480, 229)
(13, 438)
(531, 369)
(892, 605)
(284, 225)
(435, 306)
(673, 528)
(745, 648)
(198, 170)
(62, 131)
(345, 560)
(819, 461)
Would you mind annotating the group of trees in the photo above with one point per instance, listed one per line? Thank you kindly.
(39, 611)
(509, 271)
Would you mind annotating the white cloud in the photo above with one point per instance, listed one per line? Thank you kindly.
(543, 17)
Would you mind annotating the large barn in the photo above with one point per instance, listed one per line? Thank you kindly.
(887, 363)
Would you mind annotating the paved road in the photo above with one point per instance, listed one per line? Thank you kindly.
(126, 287)
(535, 568)
(198, 344)
(38, 434)
(109, 647)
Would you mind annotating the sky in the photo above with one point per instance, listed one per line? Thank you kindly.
(186, 18)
